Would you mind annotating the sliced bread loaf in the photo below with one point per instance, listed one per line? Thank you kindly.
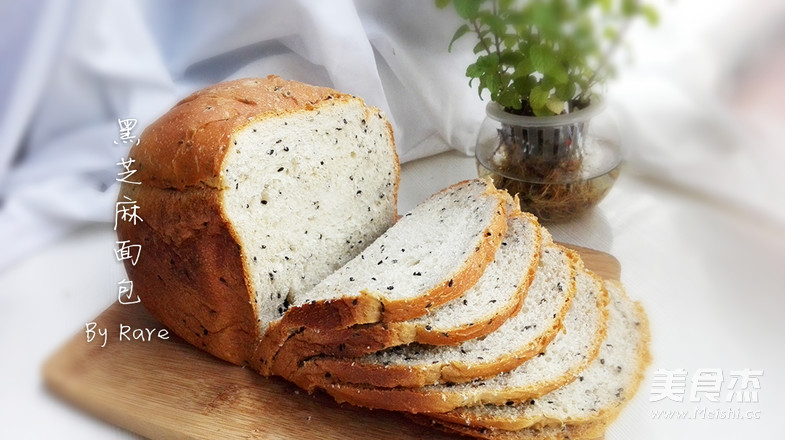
(253, 191)
(434, 254)
(599, 394)
(569, 353)
(496, 296)
(518, 339)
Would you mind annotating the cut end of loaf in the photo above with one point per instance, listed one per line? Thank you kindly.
(306, 192)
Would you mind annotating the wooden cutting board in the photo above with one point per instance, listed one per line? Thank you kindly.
(166, 389)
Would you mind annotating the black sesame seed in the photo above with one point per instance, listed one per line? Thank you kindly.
(264, 202)
(449, 284)
(417, 274)
(280, 169)
(389, 287)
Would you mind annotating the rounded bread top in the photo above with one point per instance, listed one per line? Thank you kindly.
(186, 146)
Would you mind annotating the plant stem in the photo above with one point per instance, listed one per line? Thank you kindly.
(479, 36)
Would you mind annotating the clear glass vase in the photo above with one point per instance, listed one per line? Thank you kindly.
(559, 166)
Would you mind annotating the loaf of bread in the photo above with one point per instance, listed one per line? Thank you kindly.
(270, 238)
(253, 191)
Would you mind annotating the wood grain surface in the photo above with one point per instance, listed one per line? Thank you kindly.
(166, 389)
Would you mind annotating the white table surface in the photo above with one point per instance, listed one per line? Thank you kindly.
(711, 277)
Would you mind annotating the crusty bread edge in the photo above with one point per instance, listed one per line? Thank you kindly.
(605, 416)
(323, 371)
(417, 400)
(369, 308)
(578, 431)
(360, 340)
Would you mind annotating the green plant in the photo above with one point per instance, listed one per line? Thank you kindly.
(544, 57)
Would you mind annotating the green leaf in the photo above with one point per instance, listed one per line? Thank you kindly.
(629, 7)
(651, 15)
(524, 85)
(511, 58)
(492, 82)
(482, 45)
(538, 97)
(441, 4)
(559, 74)
(542, 111)
(458, 34)
(541, 58)
(523, 69)
(467, 9)
(554, 104)
(496, 24)
(475, 70)
(509, 99)
(566, 92)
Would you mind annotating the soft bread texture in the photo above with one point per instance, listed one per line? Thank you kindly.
(433, 255)
(497, 295)
(517, 340)
(231, 179)
(560, 363)
(596, 398)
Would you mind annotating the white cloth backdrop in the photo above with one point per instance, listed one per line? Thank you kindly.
(70, 69)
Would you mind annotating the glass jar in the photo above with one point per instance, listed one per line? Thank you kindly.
(559, 166)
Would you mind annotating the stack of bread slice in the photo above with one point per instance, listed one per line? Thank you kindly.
(467, 316)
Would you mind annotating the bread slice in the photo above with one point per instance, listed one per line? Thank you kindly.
(252, 191)
(583, 431)
(569, 353)
(518, 339)
(599, 394)
(434, 254)
(497, 295)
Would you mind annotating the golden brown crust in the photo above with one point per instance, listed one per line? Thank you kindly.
(321, 371)
(186, 146)
(340, 314)
(191, 275)
(604, 417)
(572, 431)
(187, 275)
(441, 400)
(360, 340)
